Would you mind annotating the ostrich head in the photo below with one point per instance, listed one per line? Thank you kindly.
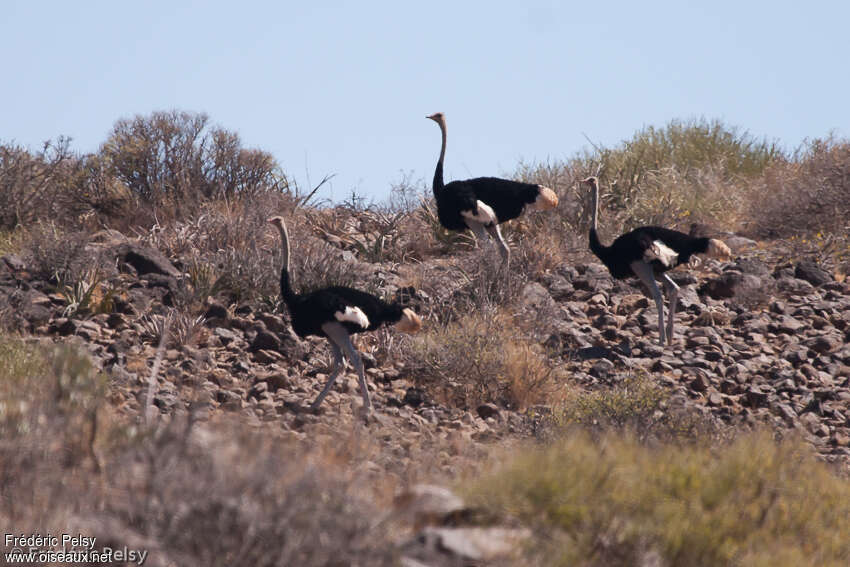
(438, 117)
(277, 222)
(592, 181)
(718, 249)
(410, 322)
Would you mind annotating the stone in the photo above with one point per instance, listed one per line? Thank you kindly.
(479, 544)
(700, 383)
(429, 503)
(594, 352)
(756, 397)
(414, 397)
(794, 286)
(487, 410)
(266, 341)
(822, 344)
(145, 260)
(535, 296)
(809, 271)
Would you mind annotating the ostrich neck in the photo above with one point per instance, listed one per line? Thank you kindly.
(438, 173)
(595, 245)
(285, 284)
(594, 203)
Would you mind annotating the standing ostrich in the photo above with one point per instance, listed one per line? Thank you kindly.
(484, 202)
(649, 251)
(336, 313)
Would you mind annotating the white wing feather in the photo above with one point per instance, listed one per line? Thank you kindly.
(485, 215)
(353, 315)
(661, 252)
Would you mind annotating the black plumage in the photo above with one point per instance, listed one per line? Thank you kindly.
(648, 252)
(483, 203)
(635, 244)
(336, 312)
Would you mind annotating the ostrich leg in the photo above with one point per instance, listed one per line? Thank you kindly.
(673, 297)
(342, 339)
(332, 330)
(645, 273)
(494, 231)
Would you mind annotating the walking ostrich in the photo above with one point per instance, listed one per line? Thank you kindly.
(336, 313)
(482, 203)
(647, 252)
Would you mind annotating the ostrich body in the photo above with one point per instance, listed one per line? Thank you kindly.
(336, 313)
(482, 203)
(648, 252)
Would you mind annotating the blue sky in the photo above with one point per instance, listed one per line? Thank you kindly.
(344, 87)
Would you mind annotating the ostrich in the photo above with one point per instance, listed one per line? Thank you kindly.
(336, 313)
(647, 252)
(481, 204)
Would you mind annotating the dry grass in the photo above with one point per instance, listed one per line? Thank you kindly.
(807, 195)
(481, 357)
(613, 501)
(191, 495)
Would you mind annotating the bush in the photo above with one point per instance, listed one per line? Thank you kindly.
(687, 171)
(29, 182)
(613, 501)
(176, 159)
(480, 358)
(224, 495)
(54, 254)
(807, 195)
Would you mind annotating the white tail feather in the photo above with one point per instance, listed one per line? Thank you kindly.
(353, 315)
(661, 252)
(485, 215)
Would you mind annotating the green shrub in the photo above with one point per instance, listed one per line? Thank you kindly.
(613, 501)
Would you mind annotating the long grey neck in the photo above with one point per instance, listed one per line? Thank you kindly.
(594, 200)
(285, 285)
(438, 173)
(284, 236)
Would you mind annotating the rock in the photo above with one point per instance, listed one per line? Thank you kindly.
(560, 288)
(14, 262)
(700, 383)
(739, 243)
(535, 296)
(273, 323)
(474, 543)
(822, 344)
(809, 271)
(216, 310)
(794, 286)
(429, 503)
(487, 410)
(757, 397)
(63, 326)
(594, 352)
(226, 336)
(729, 284)
(414, 397)
(145, 260)
(602, 369)
(278, 381)
(753, 266)
(266, 341)
(35, 314)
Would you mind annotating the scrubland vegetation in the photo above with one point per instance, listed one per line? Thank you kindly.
(620, 475)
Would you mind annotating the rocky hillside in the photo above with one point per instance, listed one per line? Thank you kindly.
(760, 341)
